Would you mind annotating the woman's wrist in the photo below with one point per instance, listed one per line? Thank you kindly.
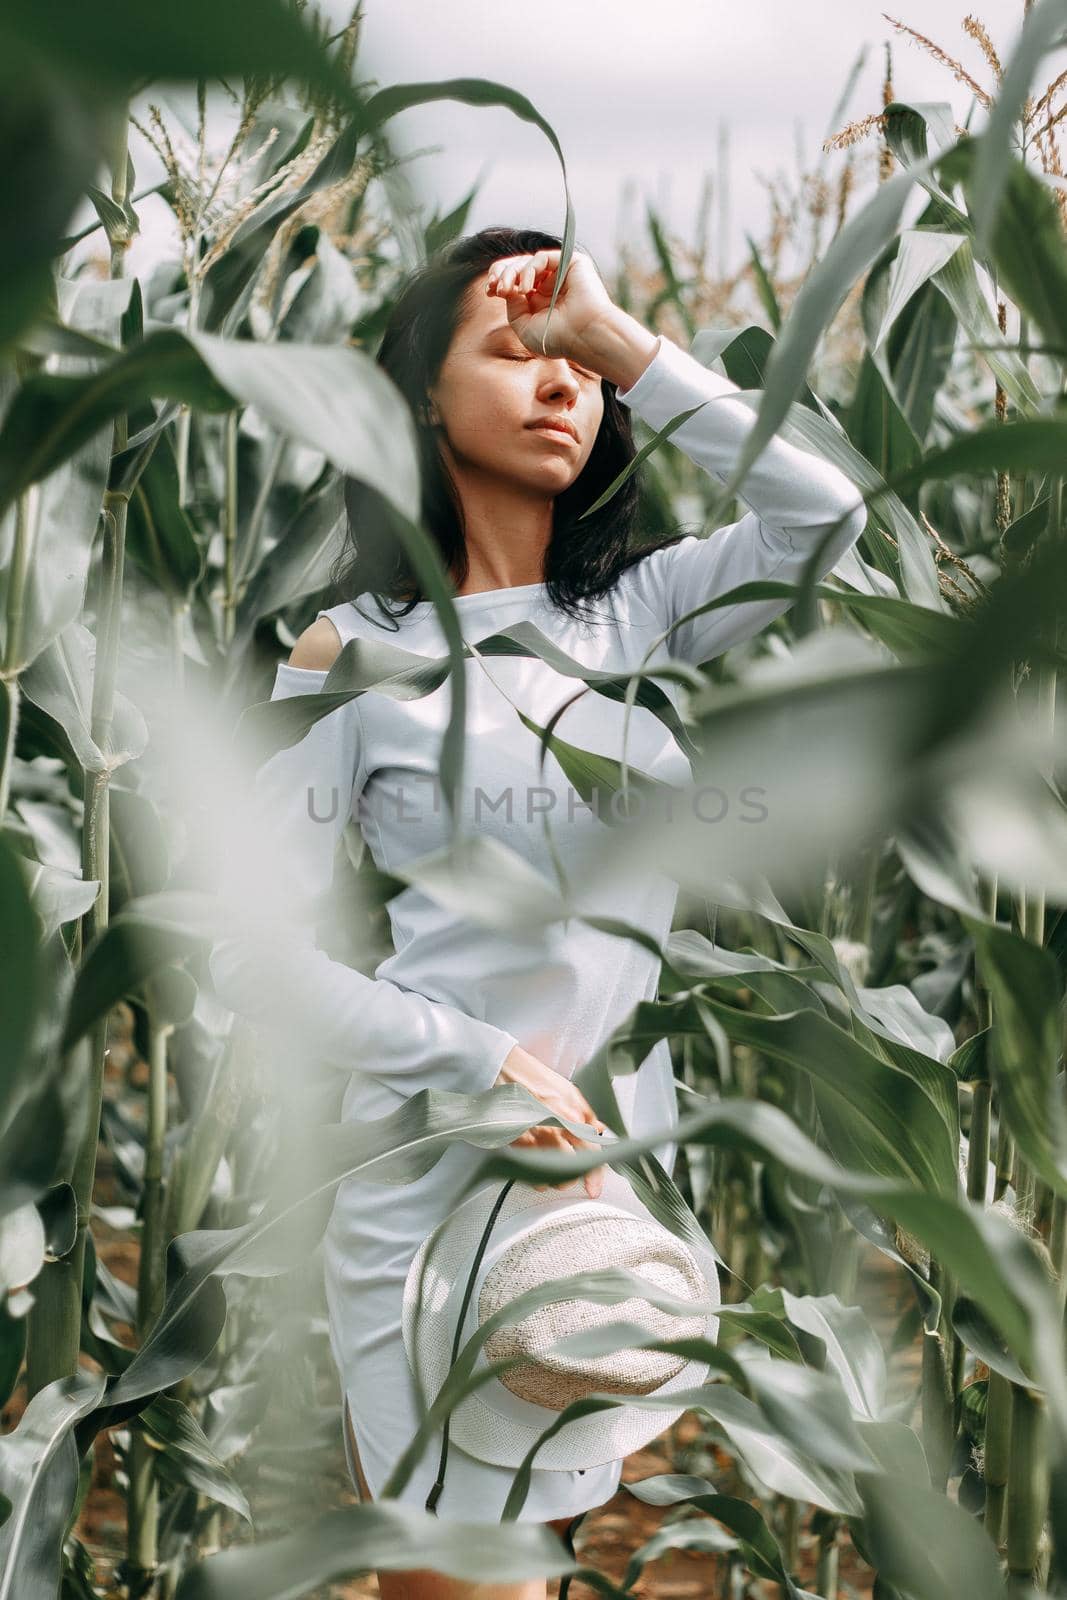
(503, 1074)
(618, 347)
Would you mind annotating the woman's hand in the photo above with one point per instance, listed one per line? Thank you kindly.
(560, 1095)
(526, 284)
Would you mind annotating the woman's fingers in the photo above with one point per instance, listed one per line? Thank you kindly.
(557, 1139)
(564, 1139)
(571, 1105)
(594, 1178)
(554, 1138)
(518, 274)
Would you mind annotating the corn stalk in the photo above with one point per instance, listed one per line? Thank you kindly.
(1028, 1476)
(55, 1326)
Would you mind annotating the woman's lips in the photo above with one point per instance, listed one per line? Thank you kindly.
(554, 433)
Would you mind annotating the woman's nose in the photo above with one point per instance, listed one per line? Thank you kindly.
(561, 382)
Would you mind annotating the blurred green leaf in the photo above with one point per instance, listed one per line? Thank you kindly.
(335, 399)
(921, 350)
(159, 534)
(1034, 446)
(52, 138)
(229, 281)
(984, 1342)
(51, 416)
(958, 281)
(39, 1475)
(853, 1349)
(927, 1545)
(1042, 29)
(595, 776)
(186, 1457)
(338, 401)
(134, 948)
(1025, 1045)
(692, 1534)
(891, 1120)
(764, 287)
(878, 425)
(811, 1410)
(20, 976)
(1026, 246)
(910, 132)
(851, 252)
(671, 293)
(379, 1538)
(922, 252)
(59, 681)
(758, 1543)
(912, 562)
(22, 1247)
(441, 231)
(122, 44)
(12, 1354)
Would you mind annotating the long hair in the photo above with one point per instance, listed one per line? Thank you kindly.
(583, 559)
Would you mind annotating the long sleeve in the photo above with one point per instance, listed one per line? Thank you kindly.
(266, 966)
(795, 497)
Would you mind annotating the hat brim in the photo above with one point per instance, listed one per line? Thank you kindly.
(494, 1424)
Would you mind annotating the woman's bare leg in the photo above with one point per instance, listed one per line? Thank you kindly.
(423, 1584)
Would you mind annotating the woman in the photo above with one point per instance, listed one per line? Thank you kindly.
(520, 431)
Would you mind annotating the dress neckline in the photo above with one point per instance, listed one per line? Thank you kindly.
(490, 594)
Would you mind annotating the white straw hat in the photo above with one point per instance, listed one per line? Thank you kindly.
(537, 1236)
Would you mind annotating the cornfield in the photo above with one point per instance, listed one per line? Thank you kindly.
(865, 1005)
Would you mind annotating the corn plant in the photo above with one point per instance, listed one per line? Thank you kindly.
(865, 1005)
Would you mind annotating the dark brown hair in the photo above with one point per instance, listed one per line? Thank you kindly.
(584, 559)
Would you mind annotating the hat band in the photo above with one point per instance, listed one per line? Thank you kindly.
(437, 1488)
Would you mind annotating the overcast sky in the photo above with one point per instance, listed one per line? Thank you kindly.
(638, 92)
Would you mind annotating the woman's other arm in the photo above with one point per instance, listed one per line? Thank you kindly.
(268, 968)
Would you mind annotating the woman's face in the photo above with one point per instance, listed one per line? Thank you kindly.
(491, 389)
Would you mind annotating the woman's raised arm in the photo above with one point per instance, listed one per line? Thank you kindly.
(795, 498)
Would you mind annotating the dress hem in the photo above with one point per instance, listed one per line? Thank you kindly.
(569, 1510)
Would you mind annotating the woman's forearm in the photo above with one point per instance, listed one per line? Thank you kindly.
(618, 347)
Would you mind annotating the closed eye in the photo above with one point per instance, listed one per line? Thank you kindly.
(580, 370)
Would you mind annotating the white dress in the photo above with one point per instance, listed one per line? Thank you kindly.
(448, 1006)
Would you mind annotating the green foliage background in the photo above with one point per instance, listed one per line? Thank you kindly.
(867, 1022)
